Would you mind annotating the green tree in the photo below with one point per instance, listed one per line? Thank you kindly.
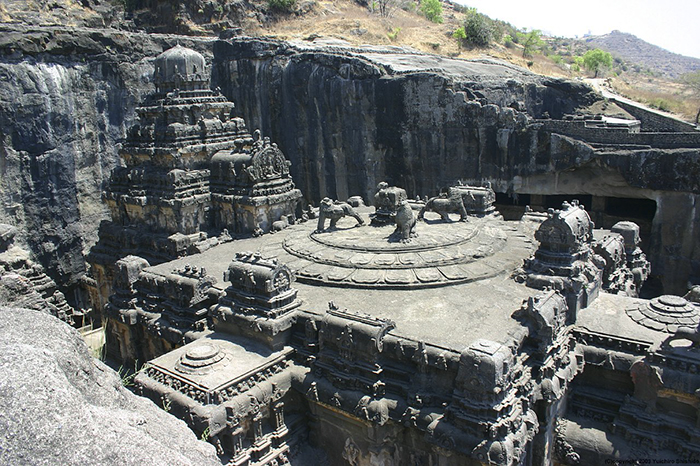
(432, 9)
(532, 42)
(460, 35)
(692, 80)
(285, 6)
(596, 59)
(477, 29)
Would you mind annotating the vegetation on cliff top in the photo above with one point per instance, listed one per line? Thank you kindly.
(433, 26)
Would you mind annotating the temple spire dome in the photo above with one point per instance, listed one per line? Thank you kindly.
(180, 68)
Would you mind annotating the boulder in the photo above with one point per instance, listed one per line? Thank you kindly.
(59, 405)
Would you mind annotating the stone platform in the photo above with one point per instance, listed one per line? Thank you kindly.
(444, 253)
(470, 295)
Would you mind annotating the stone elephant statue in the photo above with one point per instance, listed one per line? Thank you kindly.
(444, 205)
(405, 222)
(335, 211)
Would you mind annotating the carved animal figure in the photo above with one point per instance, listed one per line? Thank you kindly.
(685, 333)
(693, 295)
(444, 205)
(282, 223)
(335, 211)
(405, 222)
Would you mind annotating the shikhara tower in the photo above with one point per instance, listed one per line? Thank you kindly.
(191, 172)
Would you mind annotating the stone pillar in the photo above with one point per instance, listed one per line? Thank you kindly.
(675, 249)
(278, 410)
(257, 428)
(240, 456)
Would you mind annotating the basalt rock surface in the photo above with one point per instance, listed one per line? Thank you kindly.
(58, 405)
(67, 97)
(347, 118)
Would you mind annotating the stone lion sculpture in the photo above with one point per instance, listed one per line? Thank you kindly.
(444, 205)
(405, 222)
(335, 211)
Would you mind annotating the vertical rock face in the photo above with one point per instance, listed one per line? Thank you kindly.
(53, 149)
(66, 99)
(349, 119)
(346, 118)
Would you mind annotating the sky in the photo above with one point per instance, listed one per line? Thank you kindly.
(671, 24)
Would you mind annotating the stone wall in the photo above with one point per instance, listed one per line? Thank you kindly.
(621, 136)
(653, 120)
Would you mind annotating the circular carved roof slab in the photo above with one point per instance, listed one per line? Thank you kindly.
(443, 254)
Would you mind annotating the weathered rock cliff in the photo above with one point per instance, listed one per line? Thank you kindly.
(346, 118)
(350, 118)
(67, 97)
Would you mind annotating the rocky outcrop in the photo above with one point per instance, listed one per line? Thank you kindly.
(346, 118)
(67, 97)
(24, 283)
(349, 118)
(58, 405)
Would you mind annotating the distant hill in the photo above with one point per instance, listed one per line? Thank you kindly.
(634, 50)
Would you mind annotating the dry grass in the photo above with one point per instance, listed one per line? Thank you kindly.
(658, 93)
(357, 25)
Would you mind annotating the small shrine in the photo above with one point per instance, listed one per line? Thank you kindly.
(251, 186)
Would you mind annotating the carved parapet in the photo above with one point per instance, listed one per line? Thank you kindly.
(260, 286)
(484, 369)
(350, 344)
(566, 232)
(564, 260)
(478, 200)
(352, 334)
(260, 300)
(547, 314)
(636, 259)
(226, 387)
(617, 277)
(127, 273)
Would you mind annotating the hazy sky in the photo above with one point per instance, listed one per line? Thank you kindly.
(671, 24)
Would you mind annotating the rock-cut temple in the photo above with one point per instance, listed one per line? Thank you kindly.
(381, 339)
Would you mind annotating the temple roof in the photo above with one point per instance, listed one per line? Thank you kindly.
(180, 68)
(473, 299)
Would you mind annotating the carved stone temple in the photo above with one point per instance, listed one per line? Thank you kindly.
(192, 175)
(482, 341)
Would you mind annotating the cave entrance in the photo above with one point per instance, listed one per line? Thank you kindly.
(605, 212)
